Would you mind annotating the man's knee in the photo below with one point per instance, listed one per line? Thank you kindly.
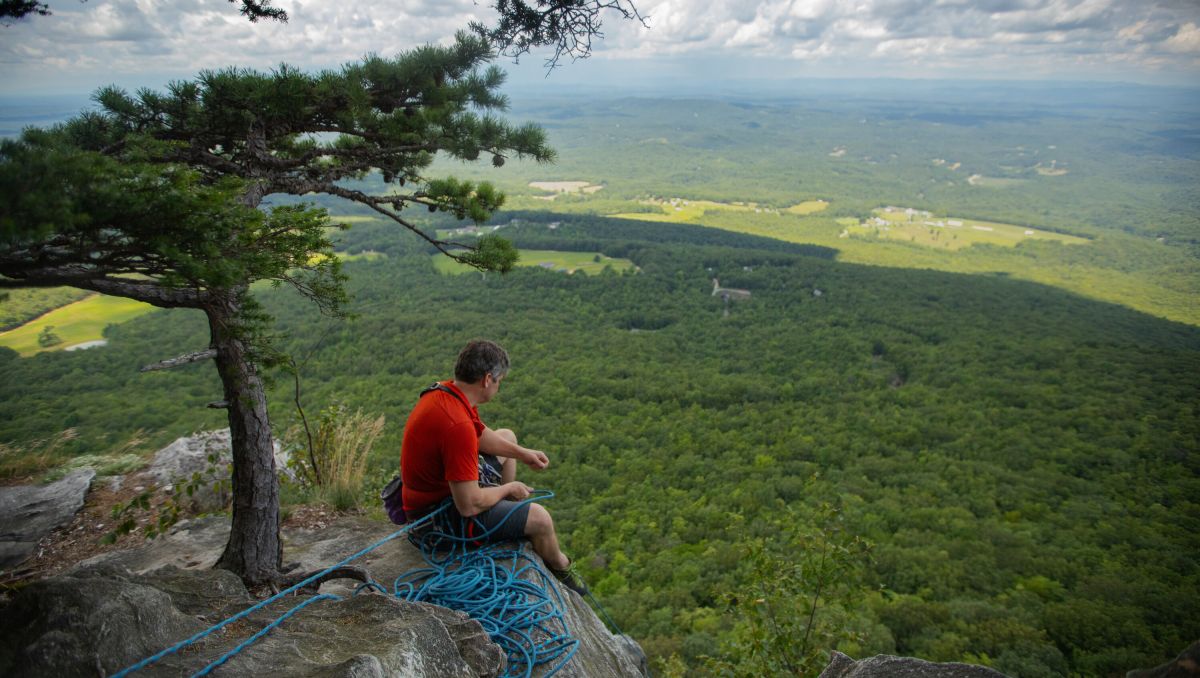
(539, 521)
(507, 434)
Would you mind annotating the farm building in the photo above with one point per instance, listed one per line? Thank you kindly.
(728, 293)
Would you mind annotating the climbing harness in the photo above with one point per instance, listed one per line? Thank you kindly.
(502, 588)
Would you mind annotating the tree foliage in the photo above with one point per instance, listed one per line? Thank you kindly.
(251, 9)
(156, 197)
(796, 603)
(18, 9)
(567, 26)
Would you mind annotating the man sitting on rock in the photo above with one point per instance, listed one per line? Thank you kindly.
(448, 452)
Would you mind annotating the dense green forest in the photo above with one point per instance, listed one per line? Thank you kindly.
(1023, 461)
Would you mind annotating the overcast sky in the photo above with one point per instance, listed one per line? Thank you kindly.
(136, 42)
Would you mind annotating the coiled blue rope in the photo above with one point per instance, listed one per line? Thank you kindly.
(502, 588)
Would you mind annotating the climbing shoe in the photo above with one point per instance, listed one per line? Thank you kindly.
(570, 578)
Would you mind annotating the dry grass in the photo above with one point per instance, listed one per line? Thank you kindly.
(340, 445)
(21, 462)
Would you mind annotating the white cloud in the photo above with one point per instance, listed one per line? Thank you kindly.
(103, 39)
(1187, 40)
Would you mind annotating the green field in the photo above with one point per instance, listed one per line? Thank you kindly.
(85, 320)
(566, 262)
(74, 323)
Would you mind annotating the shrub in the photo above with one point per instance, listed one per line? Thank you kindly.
(336, 464)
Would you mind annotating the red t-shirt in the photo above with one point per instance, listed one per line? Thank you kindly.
(441, 444)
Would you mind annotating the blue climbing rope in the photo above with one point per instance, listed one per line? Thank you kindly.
(262, 632)
(244, 613)
(502, 588)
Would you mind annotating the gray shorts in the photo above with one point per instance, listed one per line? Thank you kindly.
(503, 522)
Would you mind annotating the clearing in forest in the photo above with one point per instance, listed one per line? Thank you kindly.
(950, 233)
(559, 187)
(679, 210)
(552, 260)
(365, 255)
(77, 323)
(993, 182)
(1052, 171)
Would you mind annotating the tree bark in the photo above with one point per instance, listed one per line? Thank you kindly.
(254, 551)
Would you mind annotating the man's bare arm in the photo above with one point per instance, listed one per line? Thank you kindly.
(494, 443)
(470, 499)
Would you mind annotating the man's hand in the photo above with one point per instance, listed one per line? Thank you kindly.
(518, 490)
(536, 459)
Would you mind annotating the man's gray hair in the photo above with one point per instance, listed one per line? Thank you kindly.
(480, 357)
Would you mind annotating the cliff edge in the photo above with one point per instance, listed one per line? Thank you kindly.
(119, 608)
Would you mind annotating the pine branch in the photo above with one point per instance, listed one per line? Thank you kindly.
(185, 359)
(149, 292)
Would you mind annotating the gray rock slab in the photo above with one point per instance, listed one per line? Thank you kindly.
(96, 623)
(74, 626)
(191, 544)
(887, 666)
(30, 512)
(198, 543)
(199, 454)
(601, 653)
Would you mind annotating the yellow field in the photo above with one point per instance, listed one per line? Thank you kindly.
(677, 210)
(566, 262)
(565, 186)
(950, 233)
(368, 255)
(75, 323)
(1129, 289)
(807, 207)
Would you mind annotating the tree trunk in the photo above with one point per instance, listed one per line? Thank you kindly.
(254, 551)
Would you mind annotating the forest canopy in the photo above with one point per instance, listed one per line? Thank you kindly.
(1026, 483)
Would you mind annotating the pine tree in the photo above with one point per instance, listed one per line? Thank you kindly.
(156, 197)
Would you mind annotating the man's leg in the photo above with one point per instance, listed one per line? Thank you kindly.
(540, 530)
(508, 465)
(539, 527)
